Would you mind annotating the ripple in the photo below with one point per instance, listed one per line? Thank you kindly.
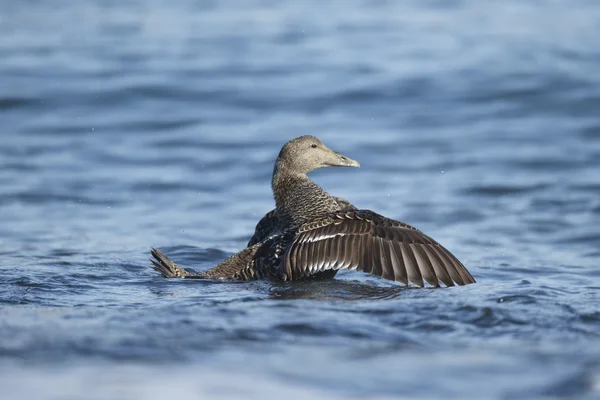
(9, 103)
(592, 238)
(44, 198)
(126, 127)
(522, 299)
(334, 290)
(488, 317)
(301, 329)
(500, 190)
(593, 317)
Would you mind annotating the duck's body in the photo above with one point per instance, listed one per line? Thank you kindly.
(271, 224)
(312, 234)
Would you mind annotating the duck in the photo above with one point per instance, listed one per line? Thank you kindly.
(312, 235)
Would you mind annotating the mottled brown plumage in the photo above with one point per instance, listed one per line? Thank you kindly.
(270, 223)
(311, 234)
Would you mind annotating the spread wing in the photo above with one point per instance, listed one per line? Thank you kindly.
(269, 224)
(366, 241)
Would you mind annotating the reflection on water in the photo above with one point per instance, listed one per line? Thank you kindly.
(335, 289)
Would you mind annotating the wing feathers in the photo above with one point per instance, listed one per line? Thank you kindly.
(398, 263)
(368, 242)
(387, 267)
(377, 261)
(438, 266)
(424, 265)
(366, 264)
(334, 252)
(460, 268)
(354, 251)
(412, 268)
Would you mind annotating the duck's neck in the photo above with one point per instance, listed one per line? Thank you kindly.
(298, 199)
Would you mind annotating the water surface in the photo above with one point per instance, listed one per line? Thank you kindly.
(127, 125)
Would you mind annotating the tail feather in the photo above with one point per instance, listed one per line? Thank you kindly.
(166, 267)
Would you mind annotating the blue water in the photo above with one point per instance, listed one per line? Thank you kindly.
(131, 124)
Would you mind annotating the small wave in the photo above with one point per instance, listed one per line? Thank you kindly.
(9, 103)
(501, 190)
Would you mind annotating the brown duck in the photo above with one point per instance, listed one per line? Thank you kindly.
(311, 234)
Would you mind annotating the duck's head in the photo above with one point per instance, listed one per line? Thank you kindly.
(306, 153)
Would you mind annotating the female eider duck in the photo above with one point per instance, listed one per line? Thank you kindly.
(311, 234)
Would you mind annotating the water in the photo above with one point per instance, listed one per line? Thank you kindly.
(127, 125)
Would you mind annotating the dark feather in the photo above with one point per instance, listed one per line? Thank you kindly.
(398, 262)
(166, 267)
(412, 268)
(425, 266)
(270, 223)
(374, 244)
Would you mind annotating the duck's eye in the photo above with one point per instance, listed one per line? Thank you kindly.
(314, 146)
